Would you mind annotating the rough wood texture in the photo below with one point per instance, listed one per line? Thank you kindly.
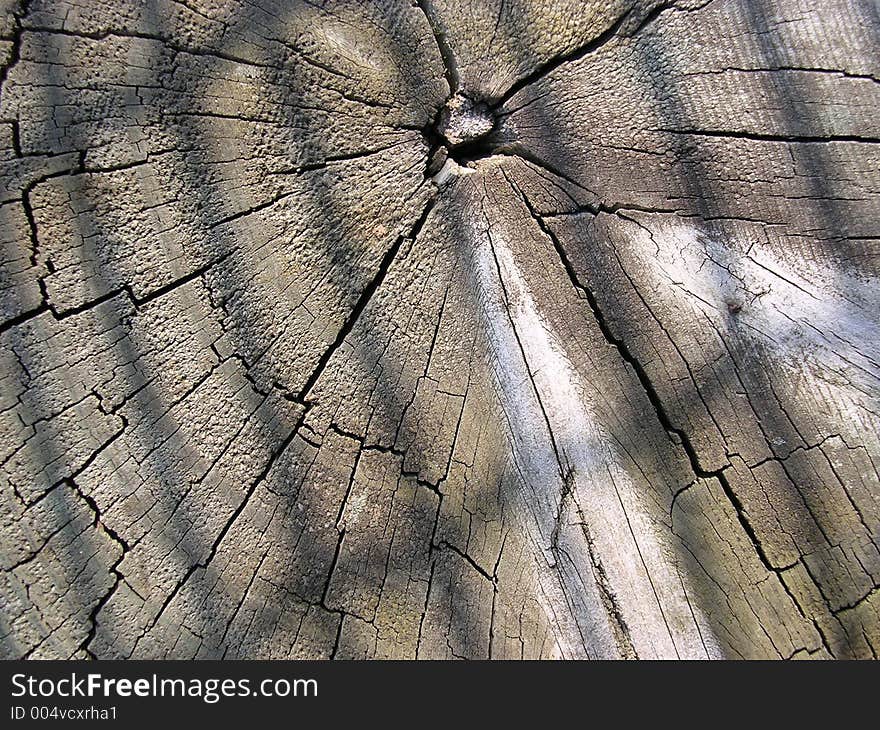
(499, 328)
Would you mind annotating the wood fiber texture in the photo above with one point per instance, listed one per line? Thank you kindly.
(440, 329)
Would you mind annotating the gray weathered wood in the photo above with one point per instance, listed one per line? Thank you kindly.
(437, 329)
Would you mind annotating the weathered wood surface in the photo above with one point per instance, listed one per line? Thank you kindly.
(281, 379)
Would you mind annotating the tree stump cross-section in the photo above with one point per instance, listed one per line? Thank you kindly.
(439, 329)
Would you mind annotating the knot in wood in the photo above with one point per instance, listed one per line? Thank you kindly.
(463, 120)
